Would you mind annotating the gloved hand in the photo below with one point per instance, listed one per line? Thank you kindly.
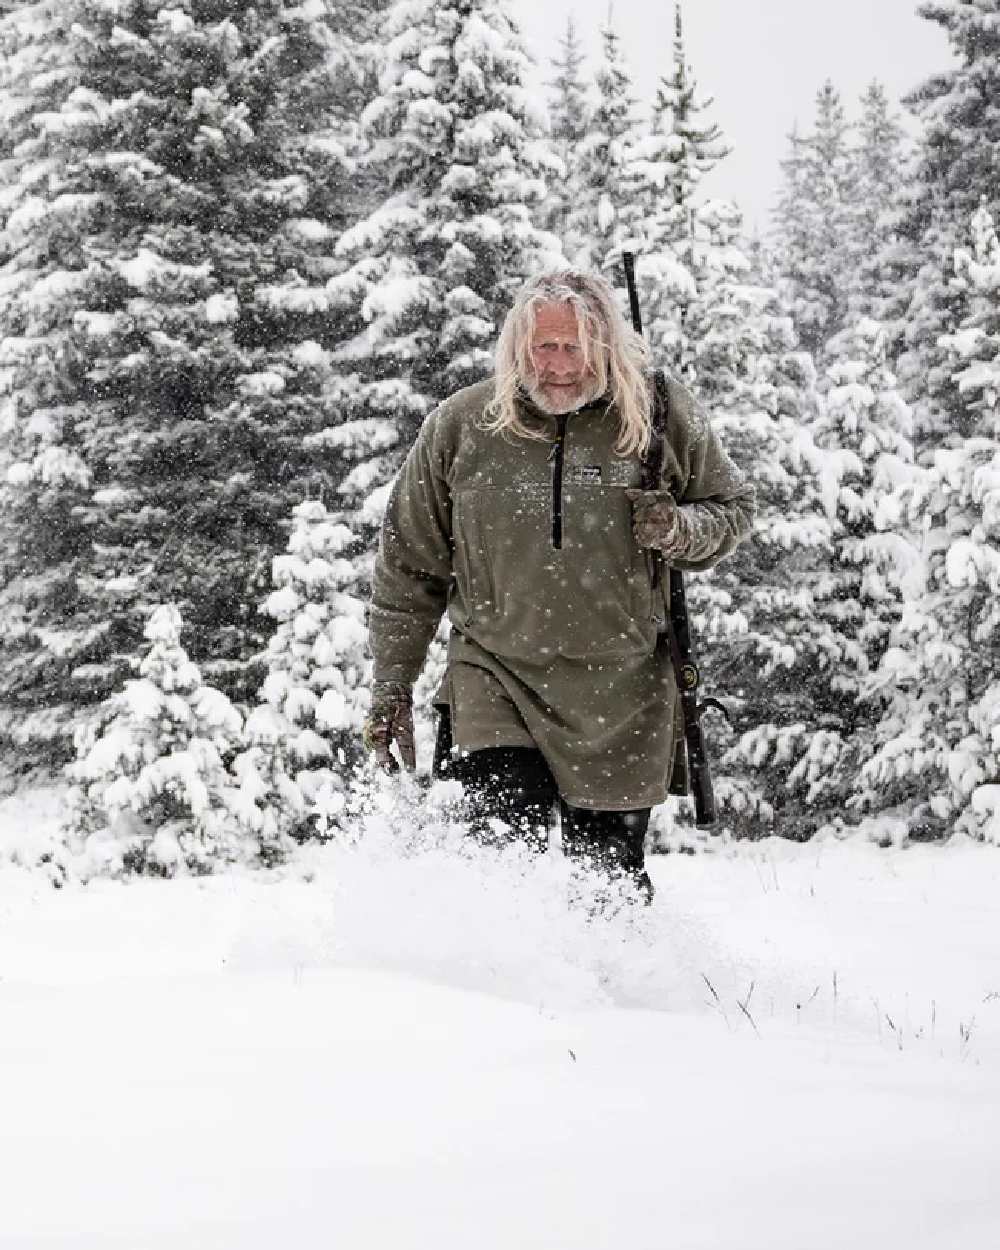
(389, 720)
(658, 522)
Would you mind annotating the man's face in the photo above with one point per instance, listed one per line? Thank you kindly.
(560, 381)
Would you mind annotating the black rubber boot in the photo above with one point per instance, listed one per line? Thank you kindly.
(612, 843)
(508, 786)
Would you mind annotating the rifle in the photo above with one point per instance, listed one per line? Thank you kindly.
(676, 626)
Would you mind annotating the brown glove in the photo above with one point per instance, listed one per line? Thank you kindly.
(658, 522)
(390, 719)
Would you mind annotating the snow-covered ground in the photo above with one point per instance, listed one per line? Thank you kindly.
(399, 1045)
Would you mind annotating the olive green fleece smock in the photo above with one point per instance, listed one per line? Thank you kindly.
(528, 545)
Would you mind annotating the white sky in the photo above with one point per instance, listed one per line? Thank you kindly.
(762, 61)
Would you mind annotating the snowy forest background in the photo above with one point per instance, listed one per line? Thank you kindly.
(245, 248)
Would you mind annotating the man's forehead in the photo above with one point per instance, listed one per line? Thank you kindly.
(555, 317)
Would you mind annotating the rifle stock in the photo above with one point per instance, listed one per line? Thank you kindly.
(688, 680)
(679, 633)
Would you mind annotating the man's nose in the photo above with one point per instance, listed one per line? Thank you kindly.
(565, 364)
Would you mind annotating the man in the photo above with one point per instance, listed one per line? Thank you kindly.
(518, 511)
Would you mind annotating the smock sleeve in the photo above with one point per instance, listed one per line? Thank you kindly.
(413, 566)
(715, 503)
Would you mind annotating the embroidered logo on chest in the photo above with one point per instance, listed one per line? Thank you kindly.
(615, 472)
(584, 474)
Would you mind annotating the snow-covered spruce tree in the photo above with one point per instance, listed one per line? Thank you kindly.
(729, 323)
(303, 737)
(816, 226)
(682, 132)
(569, 113)
(864, 428)
(938, 760)
(789, 240)
(603, 187)
(955, 171)
(459, 148)
(881, 155)
(688, 249)
(36, 71)
(173, 188)
(152, 792)
(760, 644)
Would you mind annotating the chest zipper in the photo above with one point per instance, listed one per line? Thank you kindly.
(556, 459)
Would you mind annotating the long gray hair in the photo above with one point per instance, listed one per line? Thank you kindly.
(611, 349)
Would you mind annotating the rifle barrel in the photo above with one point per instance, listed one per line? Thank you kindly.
(628, 260)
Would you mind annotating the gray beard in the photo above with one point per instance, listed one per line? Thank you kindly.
(583, 394)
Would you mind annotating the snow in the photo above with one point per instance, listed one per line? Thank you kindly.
(147, 268)
(311, 354)
(978, 377)
(178, 22)
(311, 10)
(129, 164)
(291, 192)
(282, 604)
(417, 83)
(985, 802)
(293, 299)
(309, 229)
(263, 384)
(221, 309)
(397, 1044)
(394, 218)
(961, 563)
(99, 324)
(61, 284)
(334, 712)
(53, 465)
(375, 504)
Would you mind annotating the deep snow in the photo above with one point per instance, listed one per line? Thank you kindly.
(398, 1044)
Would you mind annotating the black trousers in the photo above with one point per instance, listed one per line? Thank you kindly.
(513, 787)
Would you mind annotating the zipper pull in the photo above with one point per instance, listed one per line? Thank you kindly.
(560, 436)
